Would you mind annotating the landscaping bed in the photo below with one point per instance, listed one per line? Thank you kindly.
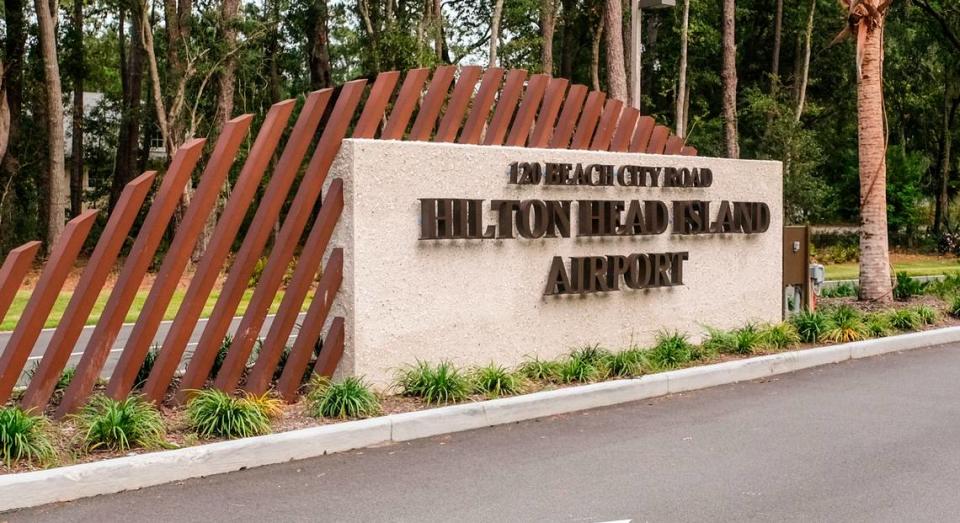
(108, 429)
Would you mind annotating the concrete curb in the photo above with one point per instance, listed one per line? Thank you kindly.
(30, 489)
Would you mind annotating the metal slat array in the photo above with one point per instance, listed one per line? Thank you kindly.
(469, 106)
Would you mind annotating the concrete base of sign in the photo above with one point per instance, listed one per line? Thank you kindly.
(475, 301)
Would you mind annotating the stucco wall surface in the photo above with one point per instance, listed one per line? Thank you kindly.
(478, 301)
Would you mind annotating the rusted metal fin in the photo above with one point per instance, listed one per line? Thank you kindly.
(607, 125)
(15, 268)
(125, 290)
(522, 123)
(628, 122)
(406, 102)
(688, 150)
(305, 273)
(641, 137)
(502, 116)
(482, 103)
(84, 297)
(568, 117)
(316, 316)
(588, 120)
(55, 272)
(332, 350)
(547, 118)
(658, 140)
(674, 145)
(432, 103)
(373, 109)
(205, 276)
(457, 106)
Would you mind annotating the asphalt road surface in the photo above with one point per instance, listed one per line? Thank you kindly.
(868, 440)
(47, 334)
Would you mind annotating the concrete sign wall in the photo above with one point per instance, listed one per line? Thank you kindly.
(478, 254)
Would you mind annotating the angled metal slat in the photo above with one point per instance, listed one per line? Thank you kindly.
(624, 132)
(607, 125)
(432, 103)
(588, 120)
(523, 121)
(547, 118)
(332, 350)
(376, 104)
(641, 137)
(688, 150)
(15, 268)
(457, 106)
(568, 117)
(509, 96)
(658, 140)
(406, 101)
(482, 103)
(674, 145)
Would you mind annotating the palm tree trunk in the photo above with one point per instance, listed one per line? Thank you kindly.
(874, 250)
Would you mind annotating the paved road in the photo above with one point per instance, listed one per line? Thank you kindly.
(47, 334)
(869, 440)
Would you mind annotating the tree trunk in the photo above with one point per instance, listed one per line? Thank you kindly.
(942, 214)
(495, 32)
(56, 195)
(651, 35)
(273, 51)
(14, 45)
(548, 23)
(805, 72)
(874, 255)
(729, 76)
(319, 42)
(132, 63)
(595, 56)
(76, 165)
(613, 37)
(227, 78)
(682, 75)
(777, 38)
(569, 39)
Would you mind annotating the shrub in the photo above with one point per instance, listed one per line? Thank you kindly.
(672, 349)
(907, 287)
(592, 354)
(540, 370)
(144, 372)
(928, 315)
(717, 341)
(270, 405)
(740, 341)
(846, 325)
(748, 339)
(24, 436)
(905, 320)
(350, 398)
(811, 325)
(441, 384)
(581, 367)
(877, 325)
(214, 413)
(780, 336)
(842, 290)
(948, 286)
(221, 355)
(625, 364)
(954, 308)
(495, 380)
(120, 425)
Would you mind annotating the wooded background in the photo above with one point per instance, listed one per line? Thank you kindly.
(177, 69)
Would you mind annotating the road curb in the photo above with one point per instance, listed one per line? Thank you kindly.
(31, 489)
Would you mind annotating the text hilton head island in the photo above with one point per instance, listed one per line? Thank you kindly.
(479, 219)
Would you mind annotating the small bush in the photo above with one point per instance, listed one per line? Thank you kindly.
(928, 315)
(24, 437)
(954, 308)
(120, 425)
(581, 367)
(350, 398)
(672, 349)
(625, 364)
(270, 405)
(540, 370)
(811, 325)
(213, 413)
(947, 287)
(748, 339)
(905, 320)
(877, 325)
(907, 287)
(441, 384)
(593, 354)
(716, 341)
(741, 341)
(780, 336)
(842, 290)
(494, 381)
(846, 325)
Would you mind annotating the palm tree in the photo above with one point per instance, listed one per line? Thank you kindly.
(865, 20)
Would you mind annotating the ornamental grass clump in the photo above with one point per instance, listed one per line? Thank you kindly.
(112, 424)
(780, 336)
(928, 315)
(24, 437)
(350, 398)
(811, 325)
(535, 369)
(905, 320)
(625, 364)
(443, 383)
(877, 325)
(671, 350)
(213, 413)
(846, 325)
(581, 367)
(954, 308)
(716, 341)
(494, 381)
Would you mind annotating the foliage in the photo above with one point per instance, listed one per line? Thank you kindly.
(954, 307)
(625, 364)
(947, 287)
(213, 413)
(928, 315)
(267, 403)
(540, 370)
(494, 381)
(443, 383)
(143, 373)
(740, 341)
(905, 320)
(780, 336)
(842, 290)
(582, 366)
(24, 437)
(671, 350)
(846, 325)
(120, 424)
(222, 351)
(350, 398)
(907, 287)
(811, 325)
(877, 325)
(63, 381)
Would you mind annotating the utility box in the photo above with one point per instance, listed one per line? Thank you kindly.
(797, 290)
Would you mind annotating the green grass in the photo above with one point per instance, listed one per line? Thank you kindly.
(120, 425)
(925, 267)
(350, 398)
(20, 302)
(212, 413)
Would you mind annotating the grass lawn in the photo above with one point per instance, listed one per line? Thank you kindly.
(914, 265)
(16, 309)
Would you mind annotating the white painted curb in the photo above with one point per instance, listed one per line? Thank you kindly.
(31, 489)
